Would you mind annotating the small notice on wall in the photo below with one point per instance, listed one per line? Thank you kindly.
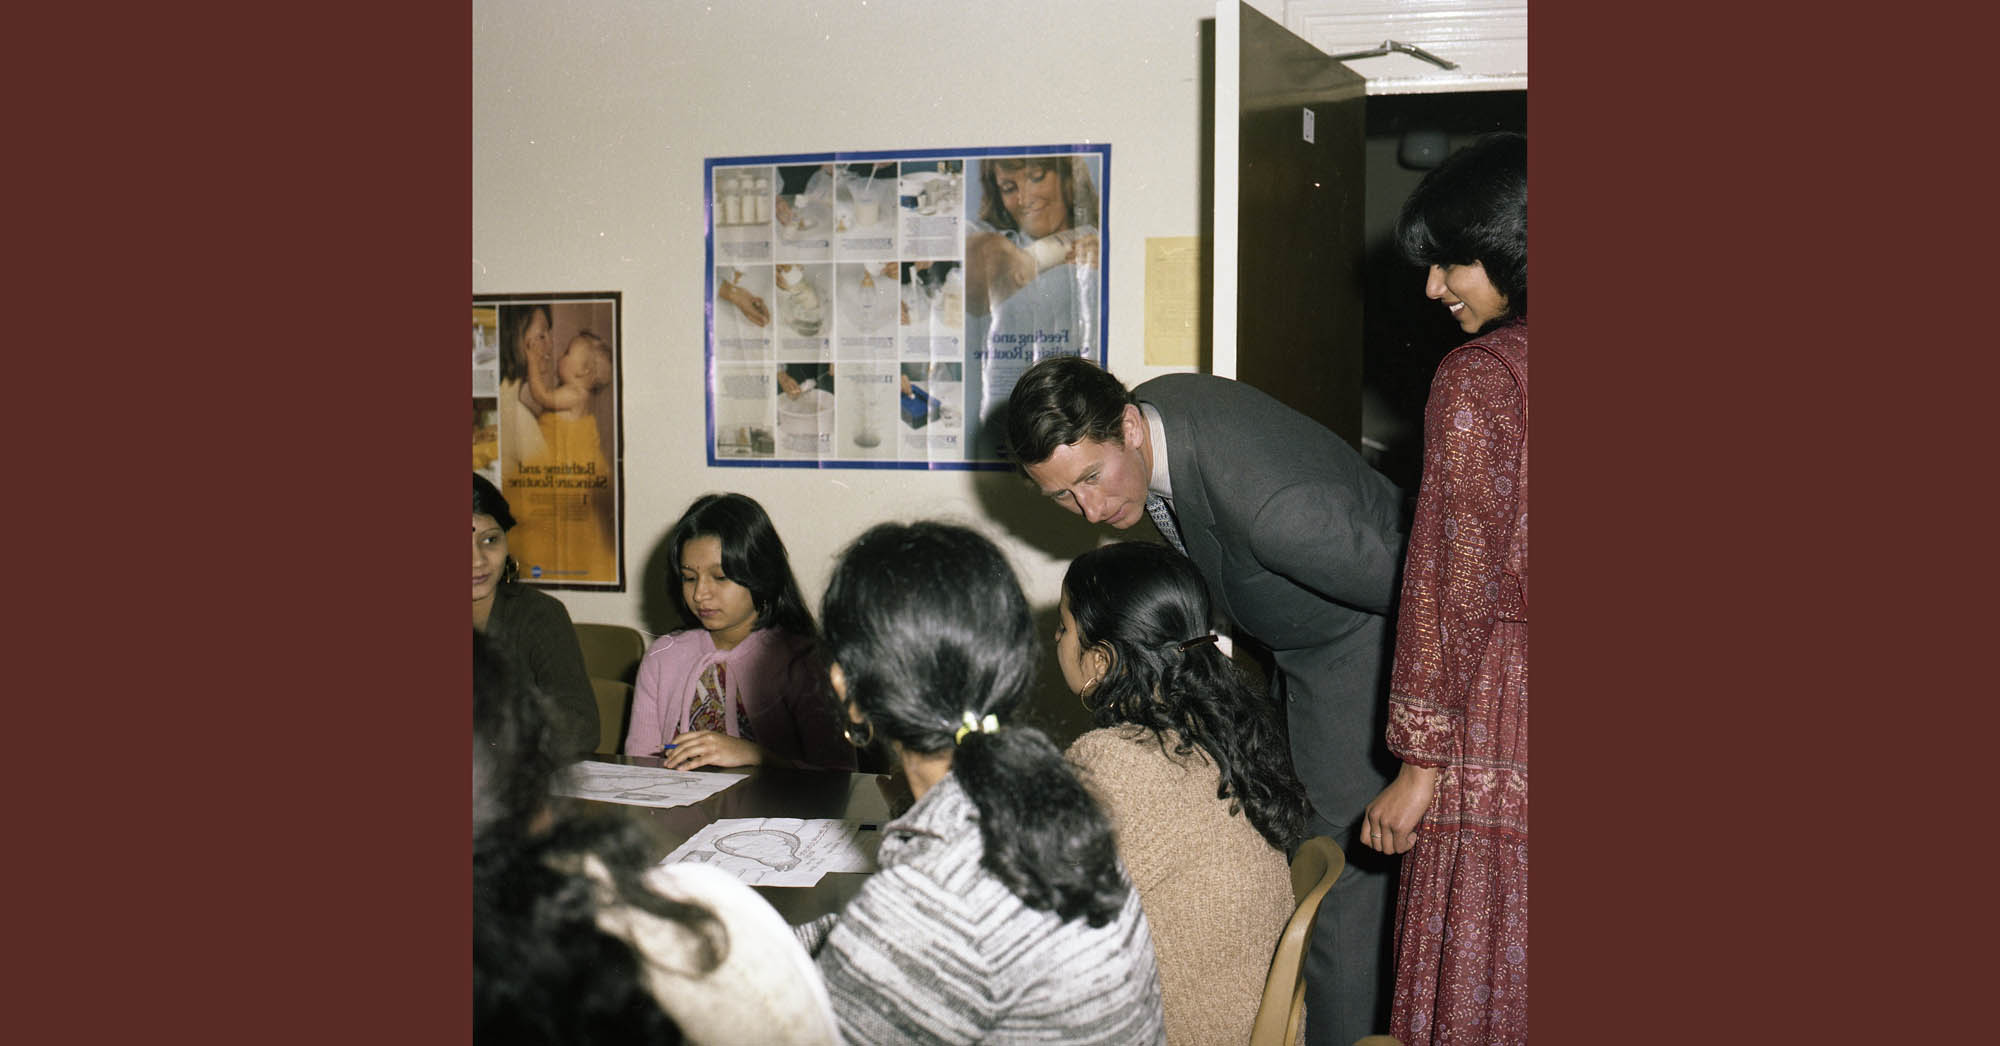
(1173, 300)
(873, 310)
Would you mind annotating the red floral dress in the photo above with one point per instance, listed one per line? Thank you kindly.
(1459, 702)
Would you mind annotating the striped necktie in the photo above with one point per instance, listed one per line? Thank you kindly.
(1163, 517)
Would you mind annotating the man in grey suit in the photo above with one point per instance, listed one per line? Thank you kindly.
(1301, 542)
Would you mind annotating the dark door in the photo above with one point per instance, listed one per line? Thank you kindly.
(1300, 245)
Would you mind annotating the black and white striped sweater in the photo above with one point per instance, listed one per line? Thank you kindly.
(934, 949)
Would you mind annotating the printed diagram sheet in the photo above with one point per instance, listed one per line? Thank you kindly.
(782, 851)
(642, 785)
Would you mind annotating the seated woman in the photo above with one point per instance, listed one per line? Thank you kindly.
(1193, 770)
(999, 913)
(532, 628)
(579, 937)
(746, 687)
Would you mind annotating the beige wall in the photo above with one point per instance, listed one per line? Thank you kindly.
(590, 124)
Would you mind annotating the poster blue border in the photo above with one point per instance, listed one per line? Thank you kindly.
(708, 165)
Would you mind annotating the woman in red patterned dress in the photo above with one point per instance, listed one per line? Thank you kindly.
(1458, 702)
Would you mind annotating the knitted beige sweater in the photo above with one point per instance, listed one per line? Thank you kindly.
(1217, 895)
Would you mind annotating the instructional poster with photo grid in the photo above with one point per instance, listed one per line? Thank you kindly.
(873, 310)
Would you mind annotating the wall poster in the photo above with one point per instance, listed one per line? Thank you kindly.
(874, 309)
(547, 430)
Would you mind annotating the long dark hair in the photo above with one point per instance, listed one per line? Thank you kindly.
(488, 501)
(927, 624)
(1144, 602)
(542, 970)
(752, 556)
(1473, 207)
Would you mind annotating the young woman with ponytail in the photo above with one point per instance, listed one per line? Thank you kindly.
(999, 912)
(1193, 770)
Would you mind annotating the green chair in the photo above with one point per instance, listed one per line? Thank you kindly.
(611, 655)
(611, 651)
(614, 712)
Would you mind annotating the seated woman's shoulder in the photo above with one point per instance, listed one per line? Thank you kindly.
(669, 640)
(529, 595)
(1125, 742)
(766, 988)
(711, 888)
(798, 646)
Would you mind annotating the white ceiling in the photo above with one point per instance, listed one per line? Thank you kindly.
(1488, 39)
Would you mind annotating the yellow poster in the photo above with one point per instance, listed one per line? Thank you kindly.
(546, 431)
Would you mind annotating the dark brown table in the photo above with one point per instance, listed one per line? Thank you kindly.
(773, 792)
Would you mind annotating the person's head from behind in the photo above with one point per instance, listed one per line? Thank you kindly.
(734, 574)
(524, 329)
(543, 971)
(491, 520)
(1126, 611)
(1134, 643)
(1080, 437)
(932, 647)
(928, 625)
(515, 753)
(1467, 222)
(586, 362)
(1037, 195)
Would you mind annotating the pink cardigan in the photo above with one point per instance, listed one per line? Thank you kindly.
(775, 674)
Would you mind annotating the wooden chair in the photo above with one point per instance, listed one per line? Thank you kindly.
(611, 651)
(1281, 1015)
(614, 711)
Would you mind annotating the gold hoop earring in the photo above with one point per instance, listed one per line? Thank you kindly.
(848, 732)
(1084, 695)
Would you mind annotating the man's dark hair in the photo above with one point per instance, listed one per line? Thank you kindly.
(1059, 401)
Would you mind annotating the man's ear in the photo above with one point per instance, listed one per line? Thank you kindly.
(1132, 426)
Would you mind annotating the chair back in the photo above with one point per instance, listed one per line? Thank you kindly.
(611, 651)
(1280, 1017)
(611, 656)
(614, 709)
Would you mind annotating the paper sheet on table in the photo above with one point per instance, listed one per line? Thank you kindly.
(642, 785)
(782, 851)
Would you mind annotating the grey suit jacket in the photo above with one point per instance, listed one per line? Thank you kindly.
(1301, 543)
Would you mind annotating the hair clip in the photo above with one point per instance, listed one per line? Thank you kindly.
(988, 725)
(1197, 641)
